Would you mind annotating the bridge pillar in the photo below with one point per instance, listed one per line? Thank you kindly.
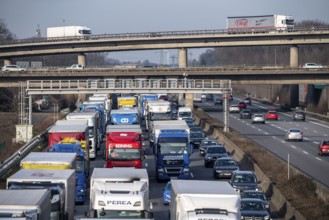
(7, 62)
(189, 100)
(82, 59)
(294, 56)
(182, 58)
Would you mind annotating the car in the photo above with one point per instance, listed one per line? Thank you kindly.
(223, 167)
(294, 134)
(312, 66)
(190, 122)
(253, 194)
(247, 100)
(76, 66)
(218, 100)
(272, 114)
(324, 147)
(196, 137)
(245, 113)
(205, 143)
(299, 115)
(13, 68)
(234, 108)
(258, 118)
(253, 209)
(244, 180)
(203, 97)
(167, 193)
(213, 153)
(242, 105)
(228, 98)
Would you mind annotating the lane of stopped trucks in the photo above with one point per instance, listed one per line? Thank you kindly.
(121, 188)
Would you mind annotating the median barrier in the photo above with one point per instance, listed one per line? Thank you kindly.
(285, 209)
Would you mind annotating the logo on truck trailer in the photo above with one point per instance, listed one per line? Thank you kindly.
(123, 145)
(241, 22)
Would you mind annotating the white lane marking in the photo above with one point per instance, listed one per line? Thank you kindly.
(293, 146)
(283, 141)
(146, 165)
(274, 137)
(305, 128)
(266, 133)
(319, 124)
(318, 158)
(151, 205)
(306, 138)
(325, 135)
(259, 129)
(192, 175)
(314, 142)
(305, 152)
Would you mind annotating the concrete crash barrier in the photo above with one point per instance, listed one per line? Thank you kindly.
(285, 209)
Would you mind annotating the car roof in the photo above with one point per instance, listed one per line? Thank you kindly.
(226, 158)
(244, 172)
(216, 146)
(251, 200)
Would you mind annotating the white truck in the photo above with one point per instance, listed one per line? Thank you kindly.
(200, 199)
(25, 204)
(68, 31)
(184, 113)
(60, 183)
(262, 23)
(94, 122)
(119, 193)
(157, 110)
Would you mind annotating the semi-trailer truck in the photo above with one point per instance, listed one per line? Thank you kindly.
(68, 31)
(201, 199)
(157, 110)
(123, 146)
(262, 23)
(119, 193)
(60, 183)
(25, 204)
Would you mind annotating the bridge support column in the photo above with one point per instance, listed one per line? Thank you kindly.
(7, 62)
(182, 58)
(189, 100)
(294, 56)
(82, 59)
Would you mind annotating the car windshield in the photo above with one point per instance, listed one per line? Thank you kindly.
(259, 116)
(196, 135)
(223, 163)
(294, 131)
(245, 178)
(252, 206)
(216, 150)
(325, 142)
(272, 112)
(208, 143)
(254, 195)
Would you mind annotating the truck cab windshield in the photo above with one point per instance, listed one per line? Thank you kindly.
(124, 154)
(173, 148)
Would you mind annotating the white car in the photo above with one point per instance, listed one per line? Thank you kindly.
(258, 118)
(294, 134)
(12, 68)
(234, 108)
(312, 66)
(76, 66)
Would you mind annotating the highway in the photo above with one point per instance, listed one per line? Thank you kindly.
(303, 155)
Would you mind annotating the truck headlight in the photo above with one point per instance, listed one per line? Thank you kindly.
(208, 158)
(186, 169)
(160, 170)
(101, 203)
(137, 203)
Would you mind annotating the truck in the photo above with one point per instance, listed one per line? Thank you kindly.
(78, 131)
(25, 204)
(60, 184)
(127, 101)
(94, 128)
(201, 199)
(184, 113)
(70, 145)
(119, 192)
(68, 31)
(262, 23)
(123, 146)
(172, 150)
(143, 101)
(102, 98)
(157, 110)
(125, 116)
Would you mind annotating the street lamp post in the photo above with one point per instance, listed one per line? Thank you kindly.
(64, 27)
(185, 75)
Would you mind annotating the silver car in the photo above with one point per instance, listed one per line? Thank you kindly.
(294, 134)
(234, 108)
(258, 118)
(12, 68)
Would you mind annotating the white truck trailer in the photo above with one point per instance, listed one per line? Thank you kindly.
(60, 184)
(68, 31)
(200, 199)
(262, 23)
(25, 204)
(119, 193)
(157, 110)
(94, 123)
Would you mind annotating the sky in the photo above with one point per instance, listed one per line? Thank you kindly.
(128, 16)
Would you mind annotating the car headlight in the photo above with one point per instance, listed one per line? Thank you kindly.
(267, 217)
(208, 158)
(186, 169)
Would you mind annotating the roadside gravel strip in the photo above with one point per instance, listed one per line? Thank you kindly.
(296, 198)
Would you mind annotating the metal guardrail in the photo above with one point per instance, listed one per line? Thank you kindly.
(15, 158)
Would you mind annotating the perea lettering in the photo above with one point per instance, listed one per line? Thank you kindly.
(118, 202)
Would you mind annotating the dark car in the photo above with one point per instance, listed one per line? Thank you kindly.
(253, 194)
(190, 122)
(213, 153)
(196, 137)
(218, 100)
(242, 105)
(299, 115)
(247, 100)
(245, 113)
(253, 209)
(205, 144)
(223, 167)
(244, 180)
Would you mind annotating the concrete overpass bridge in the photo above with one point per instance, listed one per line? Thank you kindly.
(181, 40)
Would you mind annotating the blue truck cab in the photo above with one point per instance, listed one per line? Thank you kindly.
(172, 155)
(82, 167)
